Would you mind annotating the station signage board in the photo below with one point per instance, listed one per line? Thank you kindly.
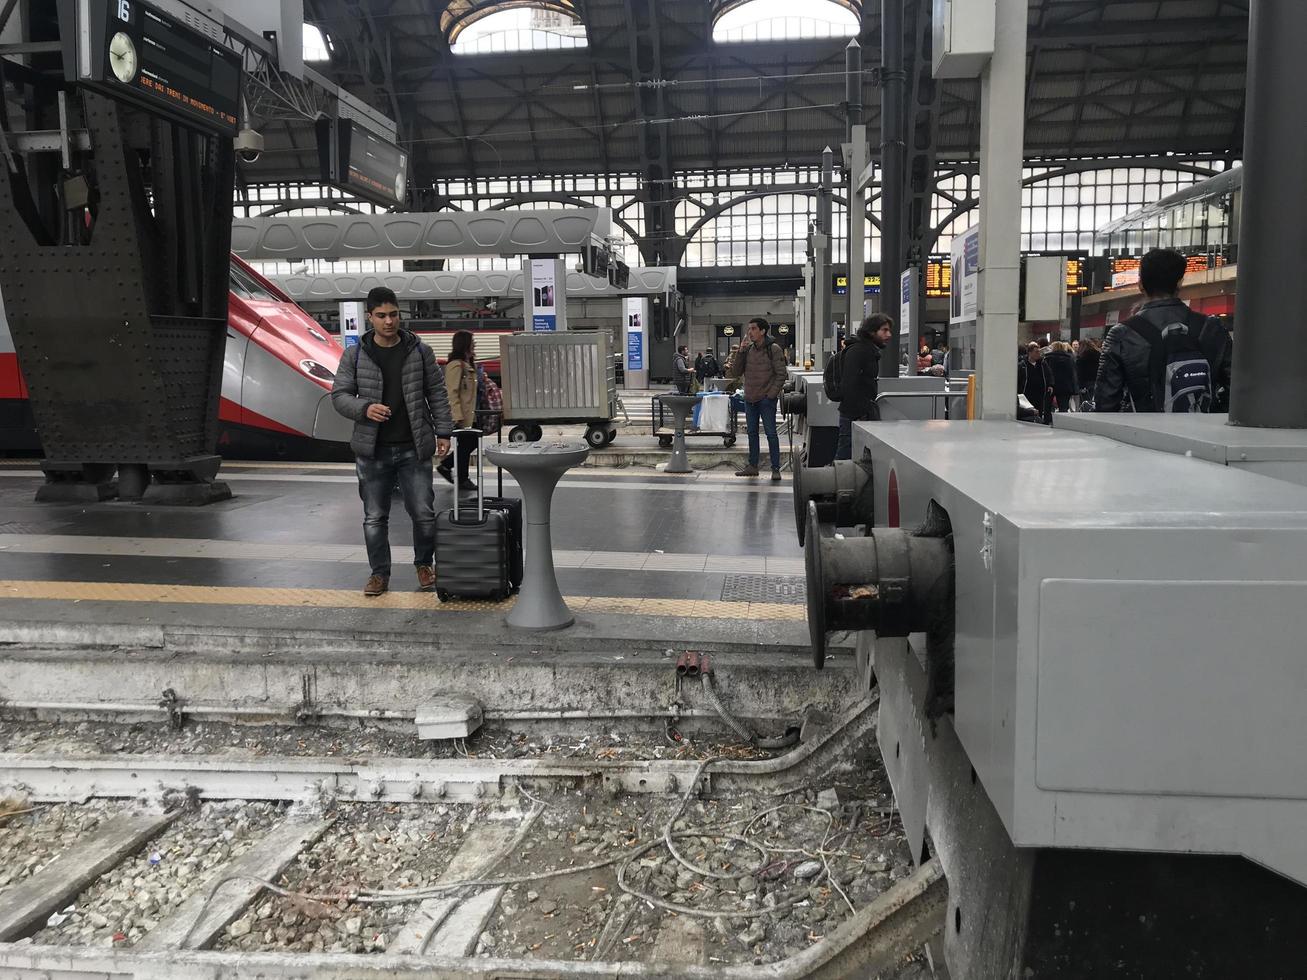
(870, 285)
(939, 278)
(130, 50)
(1125, 273)
(359, 162)
(1076, 284)
(1125, 269)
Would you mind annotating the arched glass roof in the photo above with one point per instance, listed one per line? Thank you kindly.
(783, 20)
(460, 15)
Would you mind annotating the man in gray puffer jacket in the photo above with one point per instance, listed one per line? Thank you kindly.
(393, 389)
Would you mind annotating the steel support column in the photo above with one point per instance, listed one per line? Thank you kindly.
(1002, 138)
(1270, 371)
(922, 132)
(857, 162)
(894, 180)
(823, 329)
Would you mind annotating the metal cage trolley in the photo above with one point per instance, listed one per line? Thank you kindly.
(560, 378)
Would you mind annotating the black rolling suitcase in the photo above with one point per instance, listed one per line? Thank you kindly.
(511, 508)
(474, 551)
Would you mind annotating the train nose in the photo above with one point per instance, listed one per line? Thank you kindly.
(330, 425)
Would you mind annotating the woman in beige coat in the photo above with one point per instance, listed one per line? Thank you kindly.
(461, 384)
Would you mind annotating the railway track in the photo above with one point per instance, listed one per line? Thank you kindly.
(553, 868)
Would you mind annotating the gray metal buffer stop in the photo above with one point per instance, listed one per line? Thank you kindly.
(892, 581)
(537, 467)
(841, 493)
(681, 406)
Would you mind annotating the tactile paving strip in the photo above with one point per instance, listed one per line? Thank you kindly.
(785, 589)
(340, 598)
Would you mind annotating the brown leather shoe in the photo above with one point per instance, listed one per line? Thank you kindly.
(426, 578)
(377, 584)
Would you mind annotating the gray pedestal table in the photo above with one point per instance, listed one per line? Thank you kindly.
(537, 467)
(681, 406)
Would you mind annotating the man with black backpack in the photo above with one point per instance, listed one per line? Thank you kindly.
(1165, 358)
(851, 378)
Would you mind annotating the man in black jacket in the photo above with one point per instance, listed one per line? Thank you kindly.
(1129, 376)
(1035, 381)
(393, 389)
(859, 374)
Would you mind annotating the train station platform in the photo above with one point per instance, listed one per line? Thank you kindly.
(652, 565)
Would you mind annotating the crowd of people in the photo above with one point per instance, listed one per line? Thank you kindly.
(689, 378)
(1058, 377)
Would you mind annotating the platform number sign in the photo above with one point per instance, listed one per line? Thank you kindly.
(129, 50)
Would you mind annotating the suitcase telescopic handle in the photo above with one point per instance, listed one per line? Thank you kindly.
(481, 500)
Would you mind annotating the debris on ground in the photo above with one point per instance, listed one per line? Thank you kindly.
(749, 878)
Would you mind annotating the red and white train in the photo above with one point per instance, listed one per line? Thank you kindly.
(276, 381)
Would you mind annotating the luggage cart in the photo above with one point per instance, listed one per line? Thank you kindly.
(664, 432)
(561, 379)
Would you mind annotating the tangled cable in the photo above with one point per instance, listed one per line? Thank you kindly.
(623, 861)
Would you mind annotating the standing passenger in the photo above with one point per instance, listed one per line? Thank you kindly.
(1062, 371)
(461, 388)
(760, 365)
(707, 366)
(1134, 365)
(859, 374)
(1035, 381)
(681, 373)
(393, 389)
(1087, 371)
(924, 359)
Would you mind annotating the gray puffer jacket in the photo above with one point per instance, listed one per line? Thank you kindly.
(358, 385)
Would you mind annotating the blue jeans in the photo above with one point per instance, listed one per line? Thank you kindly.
(844, 445)
(377, 478)
(764, 409)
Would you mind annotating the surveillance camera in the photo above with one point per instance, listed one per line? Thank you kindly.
(249, 145)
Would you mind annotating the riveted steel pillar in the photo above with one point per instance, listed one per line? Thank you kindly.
(894, 184)
(1270, 364)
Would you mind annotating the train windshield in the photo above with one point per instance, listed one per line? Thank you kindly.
(247, 287)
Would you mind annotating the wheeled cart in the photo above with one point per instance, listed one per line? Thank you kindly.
(560, 379)
(663, 430)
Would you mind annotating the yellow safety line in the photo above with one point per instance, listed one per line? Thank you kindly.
(351, 599)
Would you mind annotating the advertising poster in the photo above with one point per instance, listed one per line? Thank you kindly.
(964, 298)
(635, 312)
(353, 322)
(544, 310)
(905, 302)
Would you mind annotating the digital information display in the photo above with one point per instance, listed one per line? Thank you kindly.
(870, 285)
(361, 162)
(129, 50)
(939, 278)
(1125, 270)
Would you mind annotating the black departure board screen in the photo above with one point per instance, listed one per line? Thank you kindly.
(361, 162)
(136, 52)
